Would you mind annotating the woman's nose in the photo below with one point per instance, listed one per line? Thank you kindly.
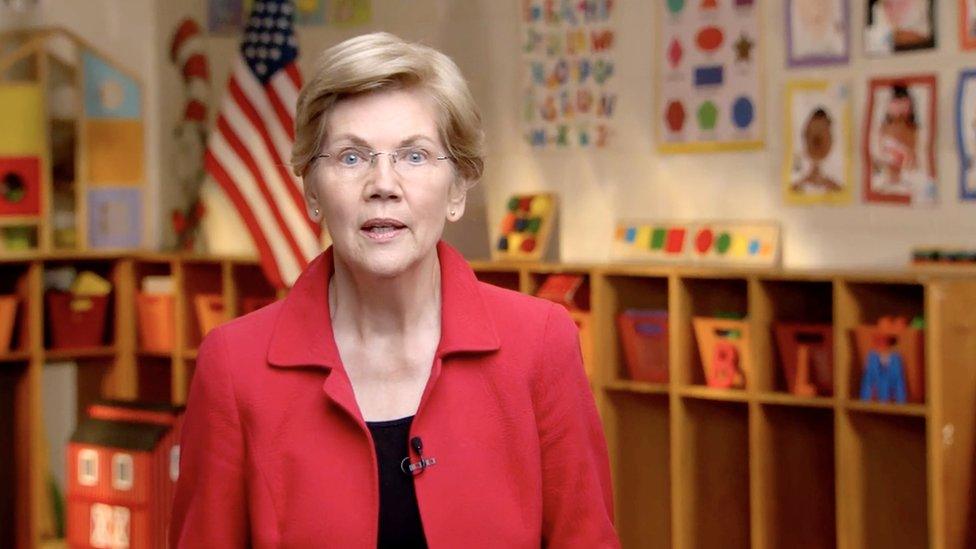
(383, 181)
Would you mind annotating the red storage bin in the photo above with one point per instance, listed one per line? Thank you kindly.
(76, 321)
(644, 337)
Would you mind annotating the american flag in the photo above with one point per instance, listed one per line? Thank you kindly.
(249, 147)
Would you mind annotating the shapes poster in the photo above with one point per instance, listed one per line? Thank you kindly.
(966, 133)
(817, 154)
(728, 243)
(818, 32)
(894, 26)
(568, 67)
(899, 140)
(115, 218)
(967, 24)
(108, 92)
(709, 79)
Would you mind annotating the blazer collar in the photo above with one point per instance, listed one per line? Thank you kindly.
(303, 334)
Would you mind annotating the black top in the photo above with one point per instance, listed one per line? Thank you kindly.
(400, 525)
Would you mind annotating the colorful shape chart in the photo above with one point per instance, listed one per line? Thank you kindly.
(526, 227)
(730, 243)
(711, 65)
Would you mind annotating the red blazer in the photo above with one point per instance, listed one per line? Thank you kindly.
(275, 452)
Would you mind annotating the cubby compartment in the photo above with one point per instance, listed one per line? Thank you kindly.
(793, 339)
(794, 453)
(155, 379)
(711, 479)
(638, 431)
(155, 296)
(15, 453)
(637, 343)
(704, 298)
(15, 300)
(203, 301)
(883, 483)
(502, 277)
(80, 324)
(251, 288)
(863, 303)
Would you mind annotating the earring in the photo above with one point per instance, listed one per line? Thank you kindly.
(316, 211)
(452, 213)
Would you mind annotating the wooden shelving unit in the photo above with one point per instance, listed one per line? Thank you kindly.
(693, 466)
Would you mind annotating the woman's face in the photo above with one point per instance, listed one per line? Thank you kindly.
(386, 220)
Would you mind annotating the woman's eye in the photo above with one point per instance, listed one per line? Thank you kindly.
(350, 158)
(416, 156)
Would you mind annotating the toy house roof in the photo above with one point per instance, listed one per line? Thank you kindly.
(125, 435)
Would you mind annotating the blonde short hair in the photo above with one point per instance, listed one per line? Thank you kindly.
(380, 61)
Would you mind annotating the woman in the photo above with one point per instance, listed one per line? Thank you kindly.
(391, 399)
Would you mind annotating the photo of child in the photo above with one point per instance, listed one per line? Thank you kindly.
(899, 25)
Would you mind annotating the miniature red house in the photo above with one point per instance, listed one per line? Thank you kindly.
(123, 462)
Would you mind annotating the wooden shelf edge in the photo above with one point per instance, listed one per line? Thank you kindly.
(887, 408)
(788, 399)
(641, 387)
(15, 356)
(710, 393)
(81, 353)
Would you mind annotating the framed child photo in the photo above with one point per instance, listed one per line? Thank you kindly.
(966, 133)
(899, 140)
(967, 24)
(817, 157)
(893, 26)
(817, 33)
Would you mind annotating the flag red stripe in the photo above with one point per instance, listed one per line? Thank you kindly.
(245, 155)
(268, 262)
(296, 77)
(252, 115)
(279, 108)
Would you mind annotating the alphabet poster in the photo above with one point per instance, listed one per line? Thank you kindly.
(818, 32)
(899, 140)
(708, 76)
(966, 133)
(569, 97)
(817, 155)
(899, 25)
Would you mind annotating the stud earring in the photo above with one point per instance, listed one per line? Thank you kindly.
(452, 213)
(316, 211)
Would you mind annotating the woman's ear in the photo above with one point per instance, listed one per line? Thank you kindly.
(456, 199)
(312, 205)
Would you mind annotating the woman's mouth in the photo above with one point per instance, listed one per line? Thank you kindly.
(382, 230)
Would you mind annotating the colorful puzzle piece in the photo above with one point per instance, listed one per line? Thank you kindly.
(525, 228)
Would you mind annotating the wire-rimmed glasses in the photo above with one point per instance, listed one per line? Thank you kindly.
(352, 164)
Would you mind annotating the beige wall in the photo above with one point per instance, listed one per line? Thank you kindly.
(630, 180)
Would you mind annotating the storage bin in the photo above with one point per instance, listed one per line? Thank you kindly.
(210, 311)
(818, 342)
(76, 321)
(644, 339)
(726, 351)
(8, 316)
(157, 322)
(891, 335)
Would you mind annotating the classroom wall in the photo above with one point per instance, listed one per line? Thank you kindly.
(628, 180)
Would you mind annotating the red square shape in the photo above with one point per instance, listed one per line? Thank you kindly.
(20, 185)
(675, 242)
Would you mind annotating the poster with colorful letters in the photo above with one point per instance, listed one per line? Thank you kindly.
(893, 26)
(568, 66)
(966, 133)
(899, 140)
(818, 32)
(709, 76)
(967, 24)
(817, 155)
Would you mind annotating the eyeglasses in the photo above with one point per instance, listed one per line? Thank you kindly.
(354, 163)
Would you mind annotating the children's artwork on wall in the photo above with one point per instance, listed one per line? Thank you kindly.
(899, 141)
(709, 77)
(526, 227)
(720, 243)
(115, 217)
(817, 155)
(894, 26)
(967, 24)
(818, 32)
(568, 66)
(966, 133)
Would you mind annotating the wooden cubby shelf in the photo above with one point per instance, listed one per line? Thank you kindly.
(693, 466)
